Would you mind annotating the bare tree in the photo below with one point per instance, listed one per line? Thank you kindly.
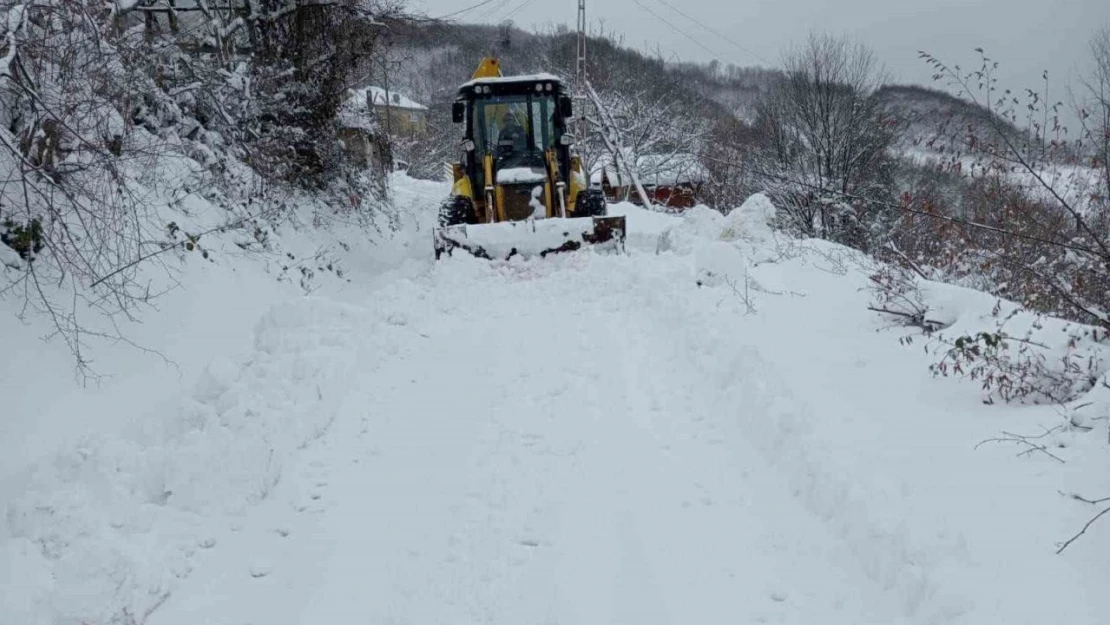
(726, 158)
(659, 132)
(823, 140)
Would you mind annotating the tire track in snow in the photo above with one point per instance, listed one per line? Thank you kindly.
(600, 572)
(455, 505)
(550, 451)
(765, 411)
(728, 540)
(662, 488)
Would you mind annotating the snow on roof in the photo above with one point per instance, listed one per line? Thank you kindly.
(354, 112)
(395, 100)
(512, 79)
(654, 170)
(679, 168)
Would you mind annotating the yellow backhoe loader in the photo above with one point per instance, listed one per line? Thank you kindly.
(518, 189)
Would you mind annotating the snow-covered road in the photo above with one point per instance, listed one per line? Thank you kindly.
(534, 444)
(708, 429)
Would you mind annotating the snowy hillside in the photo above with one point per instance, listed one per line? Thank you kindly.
(710, 428)
(937, 122)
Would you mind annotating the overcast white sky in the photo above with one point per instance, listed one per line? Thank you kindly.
(1025, 36)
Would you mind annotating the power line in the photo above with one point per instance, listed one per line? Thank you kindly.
(501, 4)
(526, 4)
(461, 11)
(712, 30)
(682, 32)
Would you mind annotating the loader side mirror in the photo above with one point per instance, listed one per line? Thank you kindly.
(458, 112)
(566, 107)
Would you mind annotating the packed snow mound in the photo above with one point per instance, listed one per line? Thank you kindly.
(683, 233)
(704, 221)
(752, 221)
(643, 226)
(699, 232)
(719, 263)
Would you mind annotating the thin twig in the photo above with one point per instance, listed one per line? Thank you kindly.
(928, 324)
(1011, 438)
(1082, 531)
(145, 257)
(1079, 497)
(906, 259)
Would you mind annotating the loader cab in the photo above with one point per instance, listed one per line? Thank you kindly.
(516, 120)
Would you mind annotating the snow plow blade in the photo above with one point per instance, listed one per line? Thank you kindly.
(532, 237)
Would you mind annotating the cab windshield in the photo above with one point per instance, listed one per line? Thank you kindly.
(516, 129)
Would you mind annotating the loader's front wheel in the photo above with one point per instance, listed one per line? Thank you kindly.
(591, 203)
(455, 211)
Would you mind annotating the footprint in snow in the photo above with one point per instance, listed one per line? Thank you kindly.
(259, 569)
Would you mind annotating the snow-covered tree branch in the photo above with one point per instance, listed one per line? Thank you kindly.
(111, 120)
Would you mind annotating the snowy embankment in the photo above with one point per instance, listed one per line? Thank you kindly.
(111, 490)
(711, 428)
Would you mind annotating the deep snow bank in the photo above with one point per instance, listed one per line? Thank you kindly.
(882, 450)
(110, 490)
(112, 524)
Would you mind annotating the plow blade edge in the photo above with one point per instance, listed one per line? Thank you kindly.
(533, 237)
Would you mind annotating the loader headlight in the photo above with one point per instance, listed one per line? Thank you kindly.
(539, 86)
(468, 145)
(566, 139)
(549, 86)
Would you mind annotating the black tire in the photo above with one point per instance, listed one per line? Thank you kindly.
(591, 203)
(455, 211)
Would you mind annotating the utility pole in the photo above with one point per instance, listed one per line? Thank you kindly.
(584, 92)
(385, 87)
(580, 98)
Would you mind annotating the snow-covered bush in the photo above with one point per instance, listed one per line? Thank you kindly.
(1033, 223)
(117, 120)
(1014, 354)
(897, 293)
(81, 171)
(1022, 367)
